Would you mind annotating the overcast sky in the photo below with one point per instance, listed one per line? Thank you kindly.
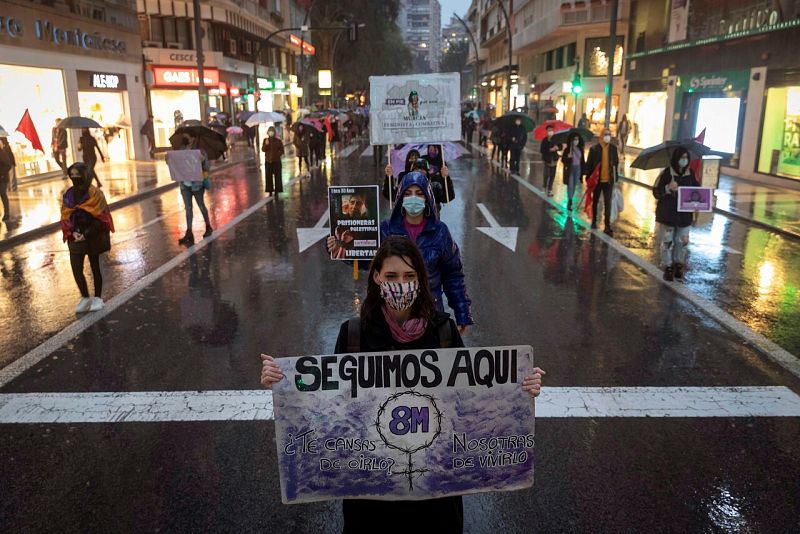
(448, 6)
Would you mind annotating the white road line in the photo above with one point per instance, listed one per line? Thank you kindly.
(347, 151)
(488, 216)
(19, 366)
(769, 348)
(256, 405)
(367, 152)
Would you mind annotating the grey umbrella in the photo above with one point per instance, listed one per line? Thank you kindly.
(74, 123)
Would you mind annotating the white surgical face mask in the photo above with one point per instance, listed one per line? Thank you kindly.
(606, 138)
(549, 134)
(400, 295)
(518, 123)
(575, 142)
(271, 134)
(683, 162)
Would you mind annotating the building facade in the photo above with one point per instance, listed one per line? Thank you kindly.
(499, 88)
(420, 22)
(556, 40)
(60, 58)
(241, 73)
(724, 67)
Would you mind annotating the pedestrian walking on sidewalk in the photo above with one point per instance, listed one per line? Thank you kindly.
(148, 131)
(604, 158)
(86, 226)
(623, 129)
(7, 165)
(58, 144)
(518, 138)
(550, 156)
(399, 314)
(574, 165)
(672, 235)
(195, 190)
(88, 145)
(273, 151)
(301, 147)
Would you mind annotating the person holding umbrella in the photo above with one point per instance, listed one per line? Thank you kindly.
(195, 189)
(88, 145)
(273, 151)
(672, 235)
(549, 150)
(574, 162)
(518, 137)
(603, 158)
(58, 144)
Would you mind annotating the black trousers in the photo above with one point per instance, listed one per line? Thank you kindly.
(516, 154)
(76, 262)
(272, 177)
(606, 188)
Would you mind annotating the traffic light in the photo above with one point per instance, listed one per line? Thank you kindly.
(352, 32)
(577, 88)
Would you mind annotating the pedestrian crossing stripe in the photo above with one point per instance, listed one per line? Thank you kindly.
(256, 405)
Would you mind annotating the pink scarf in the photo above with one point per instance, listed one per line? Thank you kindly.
(410, 331)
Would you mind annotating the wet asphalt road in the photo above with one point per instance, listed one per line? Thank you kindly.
(593, 318)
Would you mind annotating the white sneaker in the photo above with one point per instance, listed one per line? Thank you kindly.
(83, 305)
(97, 304)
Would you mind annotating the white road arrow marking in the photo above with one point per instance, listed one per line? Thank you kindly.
(307, 237)
(505, 235)
(256, 405)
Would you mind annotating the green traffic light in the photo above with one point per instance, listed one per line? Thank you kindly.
(577, 89)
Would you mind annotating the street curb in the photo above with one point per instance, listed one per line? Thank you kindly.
(24, 237)
(757, 341)
(750, 220)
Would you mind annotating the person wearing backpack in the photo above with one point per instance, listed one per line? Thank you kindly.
(398, 314)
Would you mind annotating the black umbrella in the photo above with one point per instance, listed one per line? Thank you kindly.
(561, 137)
(507, 120)
(660, 156)
(76, 122)
(212, 142)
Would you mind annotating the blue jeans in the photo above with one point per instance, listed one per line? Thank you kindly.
(187, 193)
(573, 179)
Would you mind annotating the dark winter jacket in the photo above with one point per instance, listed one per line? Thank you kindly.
(440, 252)
(596, 158)
(549, 158)
(7, 160)
(667, 201)
(272, 147)
(518, 136)
(566, 159)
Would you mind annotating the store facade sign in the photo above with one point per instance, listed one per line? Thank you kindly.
(719, 81)
(265, 84)
(308, 48)
(179, 77)
(325, 79)
(22, 32)
(181, 58)
(234, 91)
(101, 81)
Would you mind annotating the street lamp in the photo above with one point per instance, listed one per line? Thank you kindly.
(475, 46)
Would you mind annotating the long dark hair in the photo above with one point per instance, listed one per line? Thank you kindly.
(423, 307)
(572, 136)
(676, 156)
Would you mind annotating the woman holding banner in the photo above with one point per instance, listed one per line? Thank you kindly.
(399, 313)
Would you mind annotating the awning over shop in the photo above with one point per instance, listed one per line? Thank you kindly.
(556, 89)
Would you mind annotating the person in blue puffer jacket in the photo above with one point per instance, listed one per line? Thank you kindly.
(415, 216)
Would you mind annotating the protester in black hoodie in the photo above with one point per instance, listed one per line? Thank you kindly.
(672, 235)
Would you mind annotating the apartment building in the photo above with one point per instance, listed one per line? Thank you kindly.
(420, 22)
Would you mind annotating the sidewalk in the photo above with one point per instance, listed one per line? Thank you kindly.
(770, 207)
(36, 206)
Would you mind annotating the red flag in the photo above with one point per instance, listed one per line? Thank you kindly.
(329, 127)
(27, 129)
(696, 165)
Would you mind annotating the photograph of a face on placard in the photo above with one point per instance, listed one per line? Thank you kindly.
(695, 199)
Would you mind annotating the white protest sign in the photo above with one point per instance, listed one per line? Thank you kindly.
(185, 165)
(404, 425)
(413, 109)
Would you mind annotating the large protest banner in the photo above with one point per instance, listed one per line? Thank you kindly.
(411, 425)
(354, 221)
(413, 109)
(185, 165)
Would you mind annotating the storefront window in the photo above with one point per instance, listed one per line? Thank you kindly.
(647, 112)
(170, 108)
(108, 110)
(780, 136)
(41, 92)
(719, 117)
(596, 63)
(595, 108)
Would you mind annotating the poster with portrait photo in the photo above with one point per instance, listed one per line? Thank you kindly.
(354, 221)
(695, 199)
